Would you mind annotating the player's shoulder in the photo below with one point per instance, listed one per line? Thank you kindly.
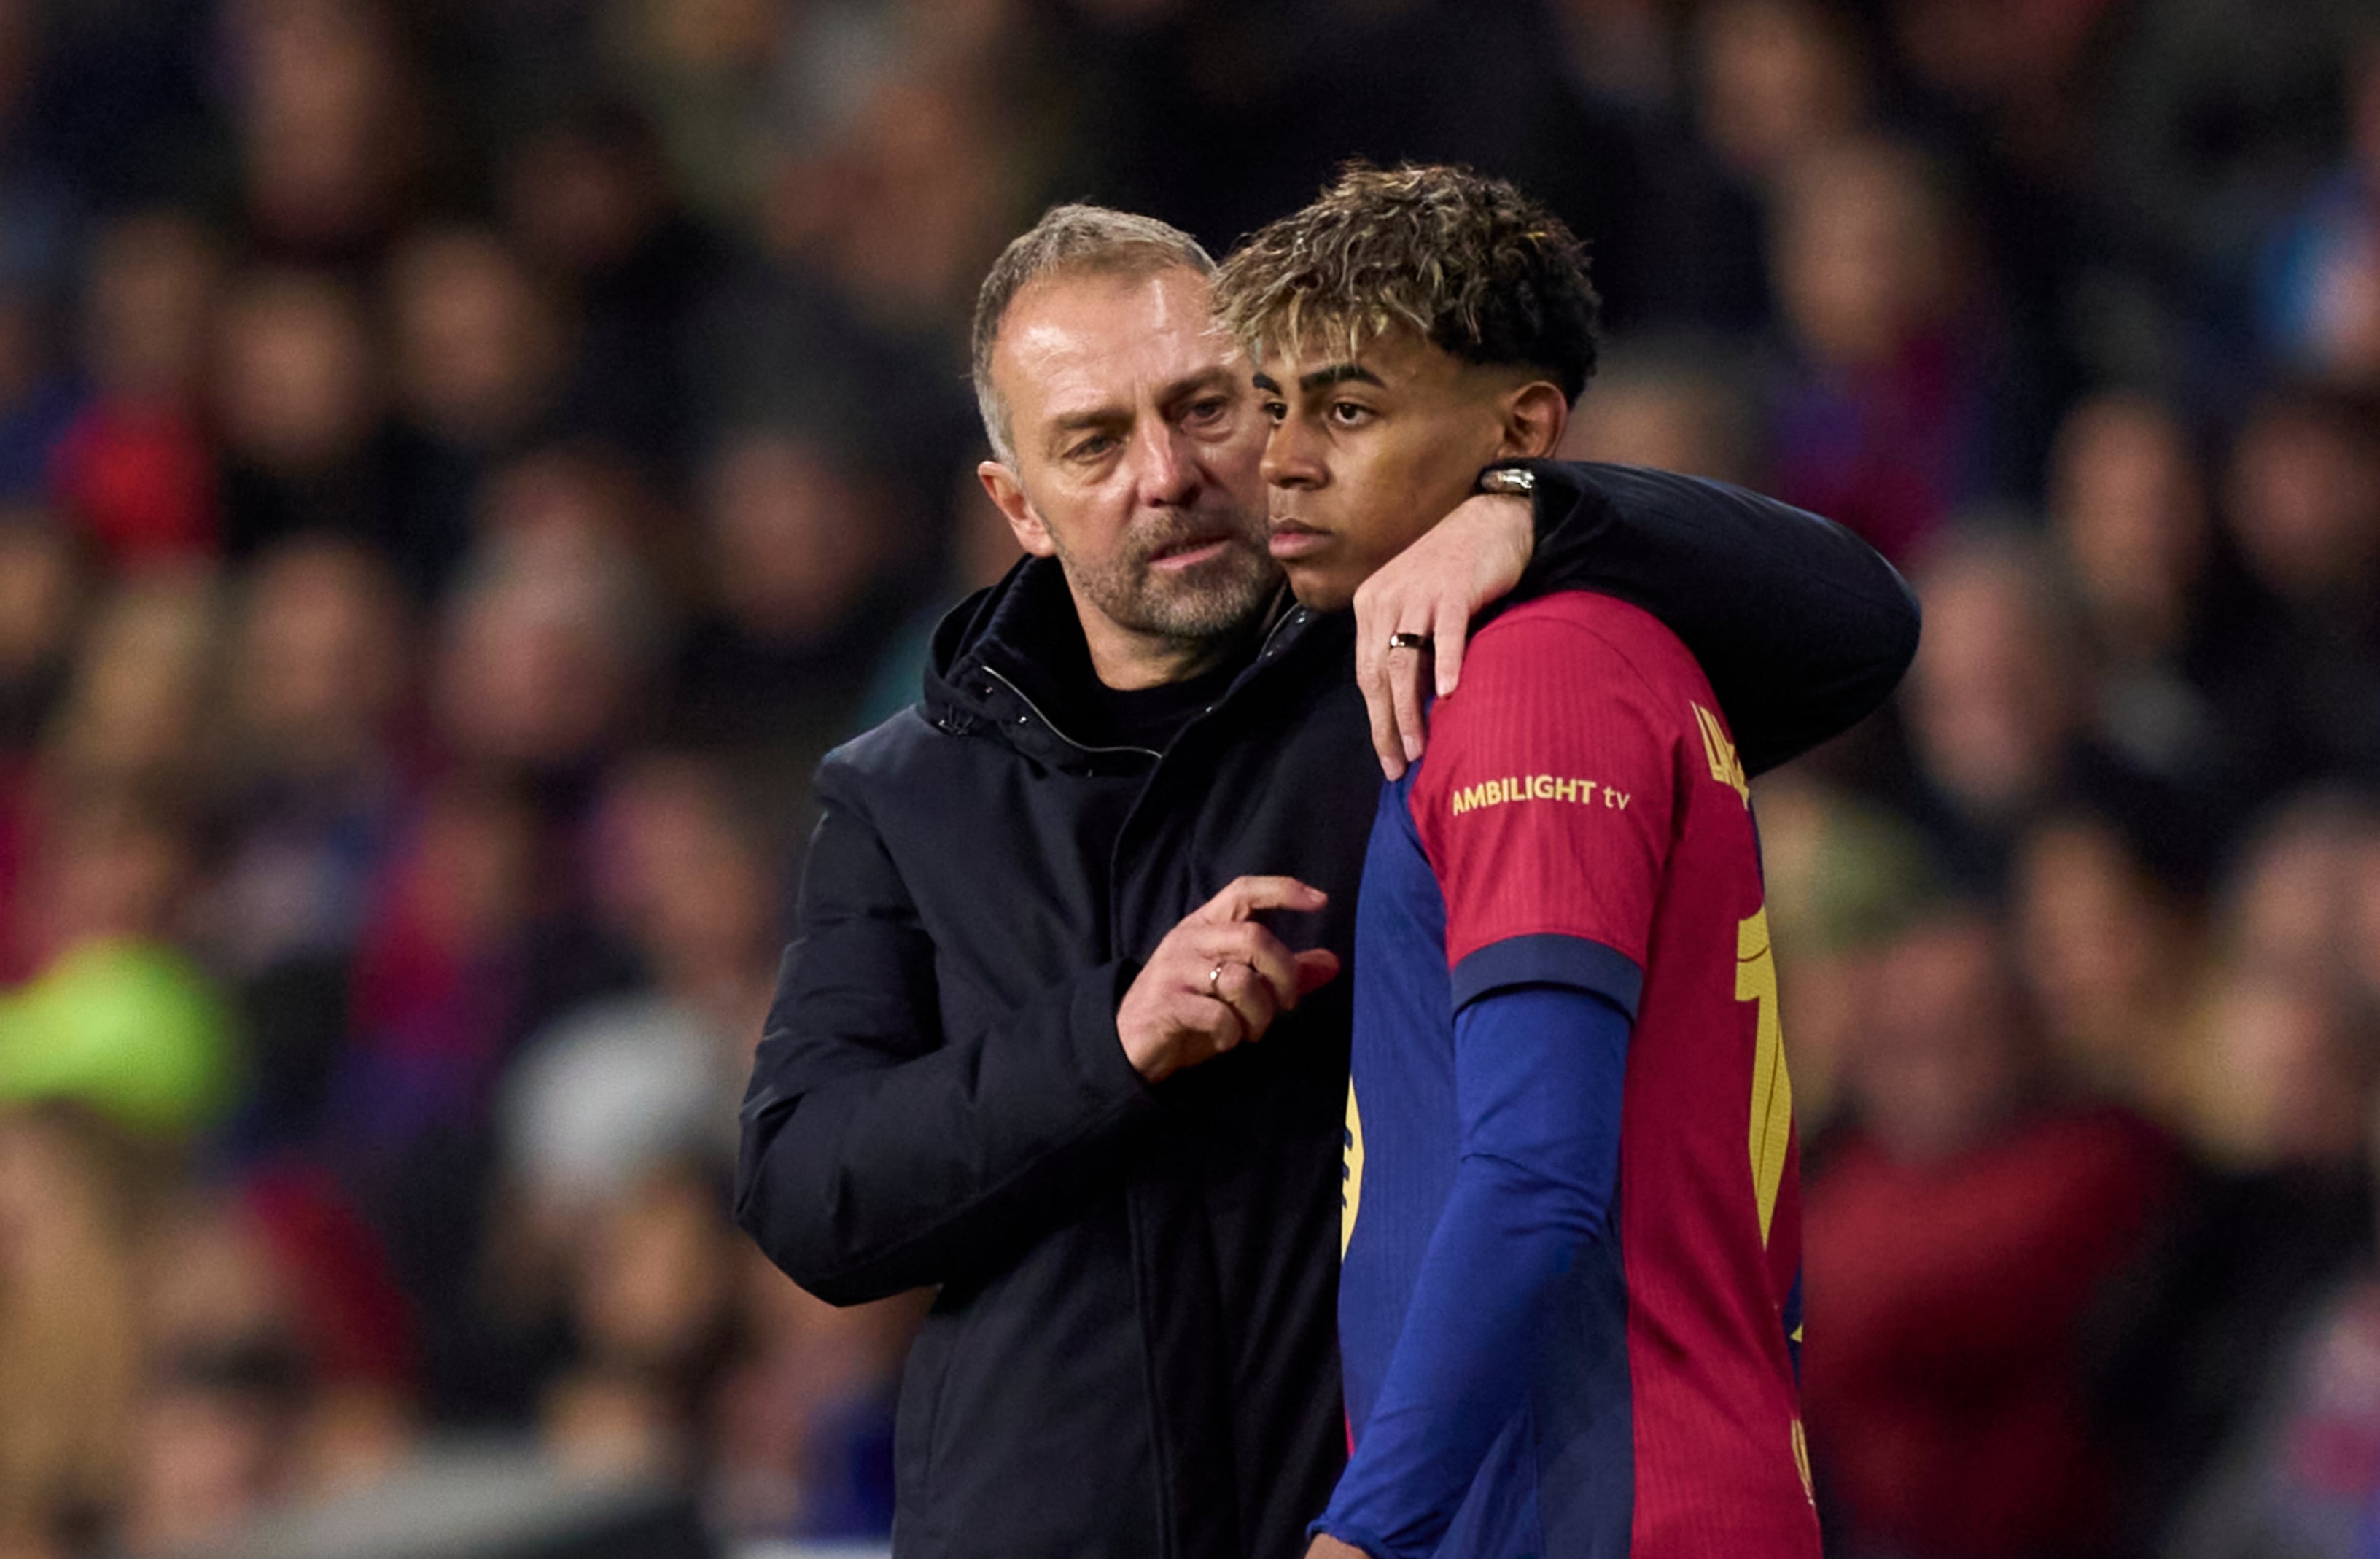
(1584, 630)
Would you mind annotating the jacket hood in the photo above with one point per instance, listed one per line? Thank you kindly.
(1001, 659)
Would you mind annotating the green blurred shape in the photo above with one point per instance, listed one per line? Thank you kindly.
(133, 1030)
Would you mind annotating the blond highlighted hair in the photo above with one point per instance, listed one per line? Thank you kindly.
(1469, 263)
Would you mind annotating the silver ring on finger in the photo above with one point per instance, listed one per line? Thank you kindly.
(1214, 980)
(1408, 642)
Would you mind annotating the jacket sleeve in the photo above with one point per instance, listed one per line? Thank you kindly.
(879, 1153)
(1802, 630)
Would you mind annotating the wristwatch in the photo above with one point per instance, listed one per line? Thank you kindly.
(1515, 482)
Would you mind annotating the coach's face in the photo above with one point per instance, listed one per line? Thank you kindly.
(1135, 450)
(1366, 453)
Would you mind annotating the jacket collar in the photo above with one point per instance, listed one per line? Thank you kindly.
(1004, 661)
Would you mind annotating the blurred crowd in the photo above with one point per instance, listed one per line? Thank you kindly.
(463, 461)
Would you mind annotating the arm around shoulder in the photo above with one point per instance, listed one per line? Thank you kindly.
(1801, 627)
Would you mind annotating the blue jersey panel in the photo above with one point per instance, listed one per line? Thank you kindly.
(1560, 1478)
(1402, 1128)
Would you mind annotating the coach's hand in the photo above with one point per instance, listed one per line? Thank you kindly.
(1466, 561)
(1181, 1011)
(1325, 1546)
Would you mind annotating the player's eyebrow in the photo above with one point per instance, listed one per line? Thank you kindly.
(1323, 378)
(1338, 373)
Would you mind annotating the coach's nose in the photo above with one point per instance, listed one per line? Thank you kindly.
(1168, 468)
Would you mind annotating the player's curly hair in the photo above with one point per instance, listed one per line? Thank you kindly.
(1478, 269)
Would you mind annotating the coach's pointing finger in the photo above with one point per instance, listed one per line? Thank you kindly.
(1244, 896)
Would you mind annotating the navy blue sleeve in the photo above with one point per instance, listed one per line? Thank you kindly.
(1538, 1070)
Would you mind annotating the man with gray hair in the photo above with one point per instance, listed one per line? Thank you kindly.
(1049, 912)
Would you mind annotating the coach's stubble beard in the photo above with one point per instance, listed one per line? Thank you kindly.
(1204, 603)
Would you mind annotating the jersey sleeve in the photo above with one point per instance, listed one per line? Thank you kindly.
(1538, 1075)
(1546, 799)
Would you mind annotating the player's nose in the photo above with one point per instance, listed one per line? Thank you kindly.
(1292, 458)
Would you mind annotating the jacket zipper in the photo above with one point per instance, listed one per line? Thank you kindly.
(1052, 725)
(1292, 614)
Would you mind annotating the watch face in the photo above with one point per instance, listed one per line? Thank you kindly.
(1504, 479)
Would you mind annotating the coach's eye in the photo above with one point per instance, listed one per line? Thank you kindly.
(1207, 410)
(1092, 448)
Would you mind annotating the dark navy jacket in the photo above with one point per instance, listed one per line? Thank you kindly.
(1132, 1351)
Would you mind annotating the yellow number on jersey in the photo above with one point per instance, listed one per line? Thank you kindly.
(1772, 1091)
(1350, 1173)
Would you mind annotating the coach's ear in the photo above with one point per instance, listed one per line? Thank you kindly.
(1009, 494)
(1534, 415)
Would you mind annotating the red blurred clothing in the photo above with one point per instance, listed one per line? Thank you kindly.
(1941, 1379)
(357, 1325)
(140, 479)
(19, 959)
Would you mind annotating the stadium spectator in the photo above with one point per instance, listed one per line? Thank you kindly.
(1887, 420)
(1777, 80)
(802, 1425)
(651, 1286)
(1843, 876)
(477, 353)
(2302, 504)
(296, 408)
(1958, 1238)
(2130, 514)
(330, 130)
(587, 197)
(1994, 707)
(548, 647)
(70, 1329)
(2111, 962)
(2280, 1078)
(43, 589)
(644, 1080)
(799, 543)
(312, 767)
(134, 468)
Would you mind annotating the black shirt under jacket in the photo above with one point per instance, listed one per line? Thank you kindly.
(1133, 1349)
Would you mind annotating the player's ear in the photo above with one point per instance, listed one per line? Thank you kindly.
(1009, 495)
(1534, 415)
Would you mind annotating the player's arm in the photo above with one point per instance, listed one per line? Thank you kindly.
(1801, 627)
(1538, 1070)
(878, 1153)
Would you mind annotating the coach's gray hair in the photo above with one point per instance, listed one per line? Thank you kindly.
(1068, 239)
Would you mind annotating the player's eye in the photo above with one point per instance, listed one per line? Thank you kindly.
(1349, 414)
(1276, 411)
